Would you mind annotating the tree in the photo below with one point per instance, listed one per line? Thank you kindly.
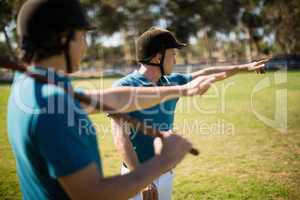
(282, 19)
(130, 18)
(182, 19)
(8, 14)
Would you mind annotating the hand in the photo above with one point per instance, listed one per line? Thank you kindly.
(171, 149)
(150, 192)
(257, 66)
(201, 84)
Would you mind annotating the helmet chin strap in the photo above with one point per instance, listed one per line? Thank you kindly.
(161, 63)
(70, 35)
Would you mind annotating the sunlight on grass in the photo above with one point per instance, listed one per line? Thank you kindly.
(248, 161)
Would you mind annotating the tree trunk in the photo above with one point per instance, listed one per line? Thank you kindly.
(8, 43)
(208, 47)
(248, 51)
(185, 56)
(129, 58)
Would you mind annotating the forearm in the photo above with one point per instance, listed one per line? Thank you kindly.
(126, 186)
(123, 144)
(257, 66)
(88, 183)
(230, 70)
(127, 99)
(129, 156)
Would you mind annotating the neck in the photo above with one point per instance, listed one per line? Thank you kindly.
(151, 73)
(56, 63)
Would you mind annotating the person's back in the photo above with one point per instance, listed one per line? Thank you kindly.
(44, 131)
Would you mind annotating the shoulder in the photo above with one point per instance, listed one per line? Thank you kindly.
(129, 80)
(58, 109)
(179, 78)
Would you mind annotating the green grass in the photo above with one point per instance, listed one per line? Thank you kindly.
(248, 161)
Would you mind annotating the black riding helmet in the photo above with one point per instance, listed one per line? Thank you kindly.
(153, 41)
(42, 23)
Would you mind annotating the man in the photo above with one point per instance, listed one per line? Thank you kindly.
(56, 156)
(156, 52)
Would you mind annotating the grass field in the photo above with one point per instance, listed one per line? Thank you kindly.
(249, 160)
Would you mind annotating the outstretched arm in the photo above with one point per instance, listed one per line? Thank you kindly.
(128, 99)
(257, 66)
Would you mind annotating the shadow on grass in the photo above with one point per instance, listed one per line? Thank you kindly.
(4, 83)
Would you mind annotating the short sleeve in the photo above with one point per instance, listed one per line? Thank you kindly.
(79, 91)
(63, 147)
(180, 79)
(121, 83)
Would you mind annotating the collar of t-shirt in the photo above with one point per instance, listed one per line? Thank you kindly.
(163, 81)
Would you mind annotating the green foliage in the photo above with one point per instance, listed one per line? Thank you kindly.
(260, 26)
(282, 17)
(8, 11)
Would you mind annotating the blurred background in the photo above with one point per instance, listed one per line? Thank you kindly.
(218, 31)
(241, 156)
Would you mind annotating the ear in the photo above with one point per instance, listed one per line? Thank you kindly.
(65, 35)
(156, 58)
(63, 40)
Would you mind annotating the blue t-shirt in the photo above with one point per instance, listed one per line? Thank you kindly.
(160, 116)
(50, 134)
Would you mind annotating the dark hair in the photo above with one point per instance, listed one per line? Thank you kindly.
(33, 51)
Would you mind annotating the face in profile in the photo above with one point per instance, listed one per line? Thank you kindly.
(78, 47)
(170, 60)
